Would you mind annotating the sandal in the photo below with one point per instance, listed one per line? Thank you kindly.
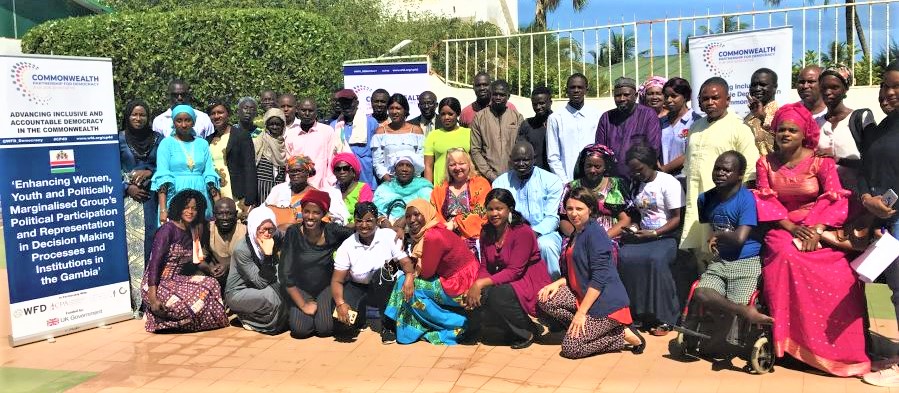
(660, 331)
(638, 349)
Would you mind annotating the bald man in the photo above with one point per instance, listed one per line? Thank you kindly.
(537, 194)
(315, 140)
(225, 233)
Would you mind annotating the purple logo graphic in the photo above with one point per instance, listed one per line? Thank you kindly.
(19, 74)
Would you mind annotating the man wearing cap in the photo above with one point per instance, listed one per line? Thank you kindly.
(354, 131)
(427, 105)
(628, 124)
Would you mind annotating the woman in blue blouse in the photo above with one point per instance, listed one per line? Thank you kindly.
(589, 297)
(137, 153)
(183, 162)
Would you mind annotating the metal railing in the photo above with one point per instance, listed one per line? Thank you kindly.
(632, 49)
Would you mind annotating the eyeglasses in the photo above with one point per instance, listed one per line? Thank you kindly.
(343, 168)
(266, 229)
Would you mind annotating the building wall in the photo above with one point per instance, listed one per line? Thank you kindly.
(29, 13)
(502, 13)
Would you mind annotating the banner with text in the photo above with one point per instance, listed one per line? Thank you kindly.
(61, 195)
(735, 56)
(409, 79)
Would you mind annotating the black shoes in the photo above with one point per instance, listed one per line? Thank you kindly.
(524, 344)
(637, 349)
(387, 336)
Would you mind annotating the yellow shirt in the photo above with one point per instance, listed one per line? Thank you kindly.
(705, 143)
(217, 151)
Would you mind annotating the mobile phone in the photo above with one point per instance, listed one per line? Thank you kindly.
(889, 198)
(352, 314)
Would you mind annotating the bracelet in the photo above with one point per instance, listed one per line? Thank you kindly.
(655, 233)
(339, 304)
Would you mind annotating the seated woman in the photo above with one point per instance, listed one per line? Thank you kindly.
(648, 252)
(611, 192)
(391, 197)
(460, 198)
(307, 264)
(178, 302)
(511, 271)
(816, 301)
(288, 196)
(252, 291)
(346, 167)
(364, 266)
(589, 297)
(427, 303)
(270, 153)
(183, 162)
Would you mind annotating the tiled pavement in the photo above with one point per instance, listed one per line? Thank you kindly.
(127, 359)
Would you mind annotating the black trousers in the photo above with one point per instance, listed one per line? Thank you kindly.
(320, 324)
(500, 304)
(360, 296)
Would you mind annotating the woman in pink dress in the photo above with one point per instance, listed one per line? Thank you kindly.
(816, 301)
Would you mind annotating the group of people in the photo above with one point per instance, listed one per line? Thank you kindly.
(573, 219)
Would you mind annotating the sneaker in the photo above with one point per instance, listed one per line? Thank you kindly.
(888, 377)
(387, 336)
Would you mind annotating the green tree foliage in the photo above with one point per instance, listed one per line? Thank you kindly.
(220, 52)
(234, 48)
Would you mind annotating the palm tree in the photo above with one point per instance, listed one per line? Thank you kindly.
(853, 23)
(594, 55)
(622, 49)
(544, 7)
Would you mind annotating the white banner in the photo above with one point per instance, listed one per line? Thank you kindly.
(61, 193)
(409, 79)
(735, 56)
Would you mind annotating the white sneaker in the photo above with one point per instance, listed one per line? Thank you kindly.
(888, 377)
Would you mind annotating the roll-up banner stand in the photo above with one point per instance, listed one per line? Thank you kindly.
(409, 79)
(735, 56)
(61, 195)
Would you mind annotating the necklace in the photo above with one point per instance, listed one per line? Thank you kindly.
(188, 156)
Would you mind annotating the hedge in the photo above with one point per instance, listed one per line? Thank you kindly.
(224, 53)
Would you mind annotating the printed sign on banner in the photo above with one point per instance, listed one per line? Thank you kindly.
(409, 79)
(63, 223)
(735, 56)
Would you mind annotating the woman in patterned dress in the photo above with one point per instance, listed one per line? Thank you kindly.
(178, 302)
(612, 193)
(459, 198)
(137, 152)
(426, 303)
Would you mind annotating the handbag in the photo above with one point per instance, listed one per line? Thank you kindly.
(879, 255)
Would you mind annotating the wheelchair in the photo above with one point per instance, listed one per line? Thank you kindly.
(721, 336)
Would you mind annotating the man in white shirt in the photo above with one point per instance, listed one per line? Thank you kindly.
(179, 94)
(569, 130)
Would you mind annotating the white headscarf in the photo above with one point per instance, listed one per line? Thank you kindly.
(255, 219)
(416, 160)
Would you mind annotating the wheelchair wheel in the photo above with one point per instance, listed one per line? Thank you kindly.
(761, 356)
(676, 347)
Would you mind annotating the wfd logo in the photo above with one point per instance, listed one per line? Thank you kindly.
(19, 74)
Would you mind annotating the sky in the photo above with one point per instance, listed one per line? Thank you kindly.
(601, 12)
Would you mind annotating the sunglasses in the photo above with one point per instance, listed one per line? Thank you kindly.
(343, 168)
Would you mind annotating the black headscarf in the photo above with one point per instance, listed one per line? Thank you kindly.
(140, 140)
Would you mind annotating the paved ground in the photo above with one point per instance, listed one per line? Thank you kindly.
(124, 358)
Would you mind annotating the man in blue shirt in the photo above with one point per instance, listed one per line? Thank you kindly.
(354, 130)
(729, 208)
(537, 196)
